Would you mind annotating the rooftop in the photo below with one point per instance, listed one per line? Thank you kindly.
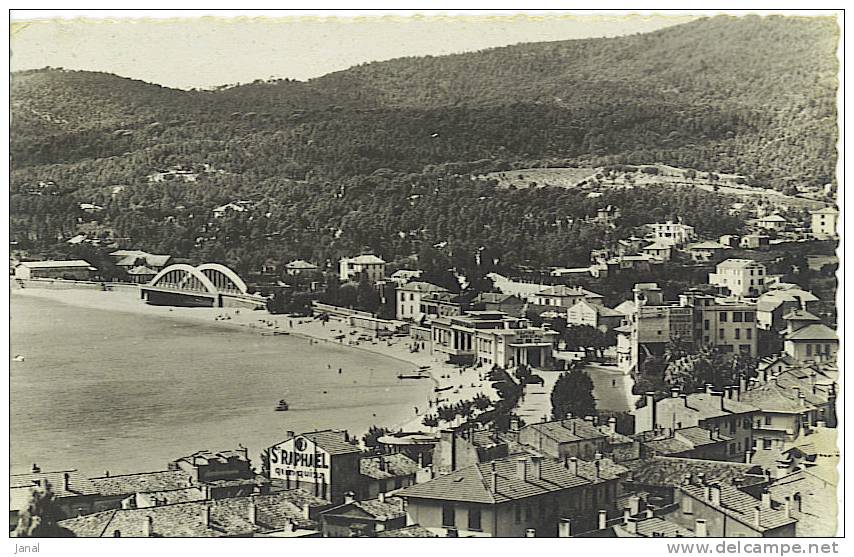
(145, 482)
(699, 406)
(664, 471)
(815, 331)
(383, 511)
(567, 431)
(414, 531)
(57, 264)
(300, 264)
(421, 286)
(366, 260)
(738, 264)
(474, 484)
(331, 441)
(739, 505)
(387, 466)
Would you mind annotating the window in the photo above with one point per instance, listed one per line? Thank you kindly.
(737, 315)
(749, 316)
(767, 420)
(448, 516)
(733, 425)
(809, 349)
(732, 449)
(766, 444)
(749, 333)
(738, 334)
(720, 334)
(474, 519)
(706, 325)
(723, 317)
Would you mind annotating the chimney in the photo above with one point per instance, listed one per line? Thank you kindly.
(306, 511)
(494, 479)
(564, 528)
(727, 392)
(36, 469)
(674, 392)
(634, 504)
(612, 425)
(253, 511)
(802, 399)
(349, 497)
(787, 507)
(148, 527)
(650, 401)
(685, 400)
(715, 494)
(206, 516)
(537, 467)
(521, 468)
(290, 434)
(748, 456)
(597, 464)
(632, 526)
(627, 515)
(709, 389)
(381, 497)
(530, 533)
(723, 398)
(700, 530)
(701, 478)
(757, 517)
(766, 500)
(737, 392)
(106, 473)
(597, 456)
(573, 466)
(603, 519)
(381, 464)
(66, 481)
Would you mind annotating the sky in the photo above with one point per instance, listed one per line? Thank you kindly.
(203, 52)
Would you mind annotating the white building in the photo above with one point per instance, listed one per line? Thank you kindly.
(565, 297)
(824, 222)
(807, 339)
(672, 233)
(743, 277)
(660, 249)
(773, 222)
(409, 299)
(403, 276)
(371, 265)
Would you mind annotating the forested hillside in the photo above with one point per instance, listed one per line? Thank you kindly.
(754, 96)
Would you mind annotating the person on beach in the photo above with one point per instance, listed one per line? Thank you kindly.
(339, 371)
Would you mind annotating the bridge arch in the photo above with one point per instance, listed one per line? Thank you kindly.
(228, 274)
(182, 277)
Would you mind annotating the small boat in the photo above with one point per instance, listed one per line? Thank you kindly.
(283, 406)
(440, 389)
(18, 358)
(412, 376)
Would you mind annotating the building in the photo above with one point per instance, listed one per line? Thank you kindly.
(409, 299)
(774, 304)
(755, 241)
(128, 259)
(493, 338)
(597, 316)
(703, 252)
(773, 222)
(653, 323)
(403, 276)
(742, 277)
(141, 274)
(75, 495)
(659, 249)
(564, 297)
(76, 269)
(514, 496)
(349, 268)
(573, 437)
(671, 233)
(505, 303)
(729, 512)
(686, 442)
(824, 222)
(724, 323)
(365, 518)
(386, 473)
(442, 304)
(300, 267)
(807, 339)
(716, 411)
(235, 207)
(283, 514)
(324, 463)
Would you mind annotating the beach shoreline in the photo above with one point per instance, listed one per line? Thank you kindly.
(451, 384)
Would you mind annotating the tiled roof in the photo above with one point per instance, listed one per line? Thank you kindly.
(739, 505)
(393, 465)
(567, 431)
(55, 264)
(561, 290)
(668, 446)
(495, 298)
(667, 471)
(825, 211)
(657, 526)
(817, 514)
(145, 482)
(699, 437)
(773, 397)
(382, 511)
(773, 218)
(229, 517)
(706, 245)
(658, 245)
(21, 485)
(816, 331)
(801, 315)
(737, 263)
(366, 260)
(421, 286)
(331, 441)
(474, 483)
(700, 406)
(300, 264)
(142, 270)
(414, 531)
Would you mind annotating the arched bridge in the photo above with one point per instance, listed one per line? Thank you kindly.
(208, 285)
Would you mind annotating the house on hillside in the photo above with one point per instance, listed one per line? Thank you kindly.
(807, 339)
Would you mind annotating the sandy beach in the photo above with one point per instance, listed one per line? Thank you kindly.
(454, 383)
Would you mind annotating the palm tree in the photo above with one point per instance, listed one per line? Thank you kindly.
(447, 414)
(430, 420)
(481, 401)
